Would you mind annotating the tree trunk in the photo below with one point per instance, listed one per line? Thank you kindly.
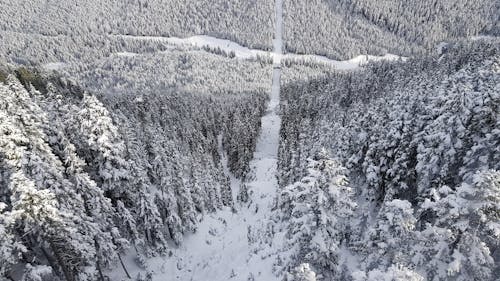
(123, 265)
(67, 274)
(50, 259)
(101, 275)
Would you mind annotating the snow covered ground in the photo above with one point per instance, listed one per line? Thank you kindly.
(54, 65)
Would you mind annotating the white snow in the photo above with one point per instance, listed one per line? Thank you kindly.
(483, 37)
(54, 65)
(278, 37)
(201, 41)
(125, 54)
(441, 47)
(350, 64)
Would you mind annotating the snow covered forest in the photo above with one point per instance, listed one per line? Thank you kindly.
(419, 142)
(256, 140)
(342, 29)
(247, 22)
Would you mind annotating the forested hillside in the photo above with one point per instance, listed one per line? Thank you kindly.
(247, 22)
(175, 140)
(88, 176)
(391, 173)
(344, 29)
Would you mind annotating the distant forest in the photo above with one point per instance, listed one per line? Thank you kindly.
(342, 29)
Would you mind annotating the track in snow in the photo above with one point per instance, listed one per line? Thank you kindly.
(241, 52)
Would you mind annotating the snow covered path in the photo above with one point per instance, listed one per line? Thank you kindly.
(228, 245)
(278, 38)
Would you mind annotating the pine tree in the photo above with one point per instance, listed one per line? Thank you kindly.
(10, 248)
(393, 273)
(318, 208)
(470, 214)
(392, 236)
(302, 272)
(99, 140)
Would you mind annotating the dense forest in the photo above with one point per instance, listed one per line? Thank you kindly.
(247, 22)
(342, 29)
(87, 176)
(124, 156)
(391, 173)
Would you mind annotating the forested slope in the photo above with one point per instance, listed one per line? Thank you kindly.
(393, 171)
(385, 172)
(347, 28)
(86, 176)
(247, 22)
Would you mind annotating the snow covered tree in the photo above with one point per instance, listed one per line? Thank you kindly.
(392, 236)
(470, 215)
(408, 133)
(149, 221)
(100, 143)
(74, 243)
(303, 272)
(392, 273)
(36, 273)
(318, 209)
(10, 249)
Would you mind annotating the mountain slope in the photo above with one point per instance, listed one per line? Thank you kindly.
(419, 141)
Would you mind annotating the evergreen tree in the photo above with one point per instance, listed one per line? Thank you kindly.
(318, 209)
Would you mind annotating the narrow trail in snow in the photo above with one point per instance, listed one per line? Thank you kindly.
(241, 52)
